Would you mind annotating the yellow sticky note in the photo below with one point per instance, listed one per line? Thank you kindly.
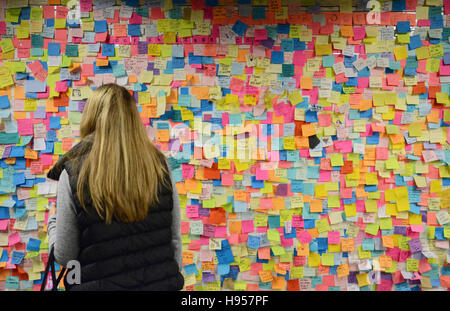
(320, 190)
(313, 260)
(323, 49)
(350, 210)
(363, 279)
(371, 179)
(401, 52)
(435, 186)
(415, 129)
(295, 97)
(422, 53)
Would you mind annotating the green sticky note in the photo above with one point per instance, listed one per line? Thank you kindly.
(337, 159)
(278, 250)
(327, 259)
(372, 228)
(385, 223)
(211, 203)
(273, 235)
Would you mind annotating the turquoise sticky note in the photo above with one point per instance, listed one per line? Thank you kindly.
(328, 60)
(36, 52)
(368, 245)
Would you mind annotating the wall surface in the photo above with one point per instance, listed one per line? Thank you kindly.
(310, 144)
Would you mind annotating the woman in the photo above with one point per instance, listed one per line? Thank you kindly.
(118, 208)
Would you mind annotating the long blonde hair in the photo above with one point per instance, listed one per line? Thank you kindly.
(123, 169)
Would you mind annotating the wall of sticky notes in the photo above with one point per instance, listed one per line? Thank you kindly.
(309, 143)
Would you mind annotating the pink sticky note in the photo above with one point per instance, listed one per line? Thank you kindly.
(38, 70)
(297, 221)
(324, 119)
(61, 86)
(187, 171)
(227, 179)
(247, 226)
(305, 237)
(13, 239)
(3, 224)
(334, 237)
(46, 159)
(359, 33)
(261, 174)
(192, 211)
(25, 127)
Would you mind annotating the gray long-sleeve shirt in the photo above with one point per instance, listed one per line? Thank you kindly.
(63, 230)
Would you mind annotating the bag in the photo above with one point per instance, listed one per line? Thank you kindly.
(51, 267)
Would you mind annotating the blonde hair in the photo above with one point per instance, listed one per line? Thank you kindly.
(123, 169)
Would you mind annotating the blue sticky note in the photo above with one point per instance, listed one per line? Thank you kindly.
(190, 269)
(54, 49)
(239, 28)
(311, 116)
(100, 26)
(283, 28)
(277, 57)
(296, 186)
(415, 42)
(225, 255)
(134, 30)
(18, 178)
(33, 245)
(17, 257)
(55, 123)
(223, 269)
(4, 101)
(253, 241)
(436, 22)
(108, 49)
(17, 151)
(398, 5)
(403, 27)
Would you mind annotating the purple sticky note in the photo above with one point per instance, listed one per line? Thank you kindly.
(281, 189)
(399, 230)
(142, 47)
(40, 113)
(203, 211)
(447, 58)
(415, 245)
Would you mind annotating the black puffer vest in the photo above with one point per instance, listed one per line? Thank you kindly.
(124, 256)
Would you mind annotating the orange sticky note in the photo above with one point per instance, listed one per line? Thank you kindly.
(316, 206)
(308, 130)
(347, 31)
(306, 83)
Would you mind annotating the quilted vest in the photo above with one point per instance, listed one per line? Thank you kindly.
(125, 256)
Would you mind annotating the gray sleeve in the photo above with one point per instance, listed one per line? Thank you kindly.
(62, 228)
(176, 226)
